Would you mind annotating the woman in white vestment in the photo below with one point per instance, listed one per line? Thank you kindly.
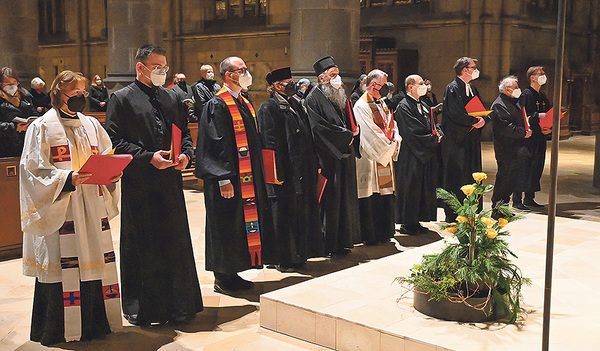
(67, 245)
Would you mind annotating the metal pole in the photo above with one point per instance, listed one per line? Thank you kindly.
(558, 78)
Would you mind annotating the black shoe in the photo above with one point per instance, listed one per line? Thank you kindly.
(241, 283)
(133, 319)
(223, 289)
(181, 319)
(423, 229)
(520, 206)
(496, 215)
(532, 203)
(409, 230)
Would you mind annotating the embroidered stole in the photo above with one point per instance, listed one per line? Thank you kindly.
(73, 232)
(246, 178)
(385, 174)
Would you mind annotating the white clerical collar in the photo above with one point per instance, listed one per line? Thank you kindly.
(468, 88)
(233, 93)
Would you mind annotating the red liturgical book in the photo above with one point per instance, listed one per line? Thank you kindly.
(175, 143)
(548, 121)
(321, 183)
(526, 120)
(270, 167)
(105, 167)
(353, 125)
(475, 108)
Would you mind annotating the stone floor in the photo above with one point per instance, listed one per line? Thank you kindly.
(232, 322)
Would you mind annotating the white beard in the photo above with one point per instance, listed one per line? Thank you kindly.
(336, 96)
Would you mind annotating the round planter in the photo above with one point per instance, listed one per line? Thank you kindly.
(452, 311)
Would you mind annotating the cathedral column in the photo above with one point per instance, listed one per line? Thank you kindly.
(131, 24)
(325, 27)
(19, 38)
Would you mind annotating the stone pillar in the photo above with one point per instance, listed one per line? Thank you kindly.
(325, 27)
(131, 24)
(19, 38)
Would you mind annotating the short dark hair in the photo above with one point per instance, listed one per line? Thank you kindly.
(533, 70)
(144, 52)
(462, 63)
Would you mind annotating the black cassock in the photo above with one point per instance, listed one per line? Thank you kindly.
(284, 128)
(461, 145)
(339, 204)
(416, 168)
(158, 271)
(217, 159)
(508, 126)
(534, 104)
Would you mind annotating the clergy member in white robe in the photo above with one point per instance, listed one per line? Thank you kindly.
(379, 144)
(67, 244)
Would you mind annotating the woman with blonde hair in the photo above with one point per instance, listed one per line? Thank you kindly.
(67, 244)
(98, 95)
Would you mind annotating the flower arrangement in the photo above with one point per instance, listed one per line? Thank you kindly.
(476, 263)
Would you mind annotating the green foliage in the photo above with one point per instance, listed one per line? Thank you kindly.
(479, 259)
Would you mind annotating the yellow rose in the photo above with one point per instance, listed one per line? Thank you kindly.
(502, 222)
(491, 233)
(479, 176)
(488, 221)
(468, 189)
(451, 230)
(461, 219)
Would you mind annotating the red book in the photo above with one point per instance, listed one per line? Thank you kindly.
(433, 130)
(526, 120)
(548, 121)
(475, 108)
(105, 167)
(270, 167)
(321, 183)
(353, 125)
(175, 143)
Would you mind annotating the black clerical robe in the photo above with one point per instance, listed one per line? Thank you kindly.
(535, 103)
(332, 136)
(508, 127)
(416, 168)
(284, 129)
(461, 145)
(158, 270)
(217, 160)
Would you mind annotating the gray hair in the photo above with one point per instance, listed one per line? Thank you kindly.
(205, 67)
(507, 82)
(226, 65)
(412, 79)
(375, 74)
(37, 82)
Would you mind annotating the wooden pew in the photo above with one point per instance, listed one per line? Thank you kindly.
(11, 237)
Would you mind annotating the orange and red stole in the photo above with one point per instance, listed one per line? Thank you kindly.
(246, 178)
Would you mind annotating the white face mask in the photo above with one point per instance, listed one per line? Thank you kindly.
(542, 79)
(421, 89)
(210, 76)
(516, 93)
(428, 87)
(475, 74)
(11, 89)
(158, 79)
(389, 95)
(363, 87)
(303, 89)
(336, 82)
(245, 80)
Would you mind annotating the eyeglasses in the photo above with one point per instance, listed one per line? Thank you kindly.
(472, 67)
(158, 69)
(242, 70)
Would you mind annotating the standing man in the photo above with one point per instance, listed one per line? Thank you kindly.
(536, 105)
(204, 89)
(284, 130)
(461, 146)
(336, 135)
(239, 229)
(511, 151)
(416, 171)
(379, 146)
(184, 93)
(158, 271)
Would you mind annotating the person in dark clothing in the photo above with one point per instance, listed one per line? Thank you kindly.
(461, 145)
(301, 88)
(336, 137)
(40, 97)
(185, 94)
(158, 270)
(536, 105)
(204, 89)
(15, 102)
(429, 98)
(358, 89)
(416, 169)
(98, 95)
(284, 128)
(510, 132)
(239, 230)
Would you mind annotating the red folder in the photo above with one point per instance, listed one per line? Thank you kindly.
(548, 121)
(526, 120)
(175, 143)
(353, 124)
(104, 167)
(321, 183)
(475, 108)
(270, 167)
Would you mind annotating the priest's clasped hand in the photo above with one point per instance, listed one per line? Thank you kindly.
(116, 178)
(227, 190)
(78, 178)
(159, 162)
(182, 162)
(480, 122)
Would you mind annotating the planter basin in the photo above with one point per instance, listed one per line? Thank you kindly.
(458, 312)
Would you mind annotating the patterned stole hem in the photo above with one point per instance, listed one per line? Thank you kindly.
(246, 178)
